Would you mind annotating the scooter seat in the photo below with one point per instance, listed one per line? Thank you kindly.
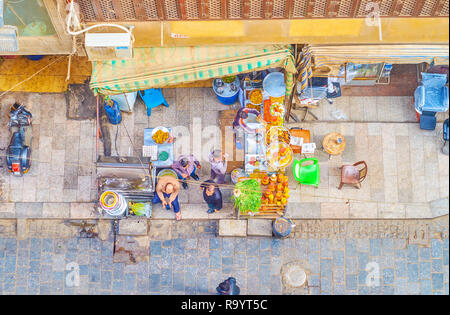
(428, 121)
(16, 141)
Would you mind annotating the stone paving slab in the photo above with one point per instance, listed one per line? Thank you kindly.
(21, 229)
(259, 227)
(7, 210)
(294, 210)
(439, 207)
(233, 228)
(56, 210)
(131, 226)
(194, 212)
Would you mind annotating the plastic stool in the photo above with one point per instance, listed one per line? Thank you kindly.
(152, 98)
(428, 120)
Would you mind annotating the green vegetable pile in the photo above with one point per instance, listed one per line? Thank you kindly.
(139, 209)
(229, 79)
(250, 196)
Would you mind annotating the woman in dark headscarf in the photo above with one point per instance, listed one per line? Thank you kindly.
(212, 195)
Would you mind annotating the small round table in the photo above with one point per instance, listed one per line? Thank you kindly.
(333, 143)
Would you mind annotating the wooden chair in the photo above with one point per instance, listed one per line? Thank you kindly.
(305, 107)
(300, 133)
(353, 174)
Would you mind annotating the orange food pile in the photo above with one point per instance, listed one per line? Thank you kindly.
(278, 132)
(271, 120)
(256, 97)
(280, 155)
(160, 136)
(276, 190)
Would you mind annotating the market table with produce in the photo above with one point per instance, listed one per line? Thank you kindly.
(261, 187)
(160, 144)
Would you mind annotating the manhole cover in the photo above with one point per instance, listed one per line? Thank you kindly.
(295, 276)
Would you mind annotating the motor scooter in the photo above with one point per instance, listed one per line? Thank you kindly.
(18, 154)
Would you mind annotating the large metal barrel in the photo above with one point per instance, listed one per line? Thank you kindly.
(282, 227)
(167, 172)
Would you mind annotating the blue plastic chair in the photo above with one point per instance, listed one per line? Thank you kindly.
(152, 98)
(431, 97)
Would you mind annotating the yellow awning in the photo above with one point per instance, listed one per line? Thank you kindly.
(371, 54)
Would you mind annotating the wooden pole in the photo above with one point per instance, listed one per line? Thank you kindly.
(294, 87)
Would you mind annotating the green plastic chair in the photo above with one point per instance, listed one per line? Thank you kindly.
(307, 174)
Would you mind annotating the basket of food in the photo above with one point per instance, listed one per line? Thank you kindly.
(277, 109)
(160, 135)
(255, 97)
(279, 134)
(279, 155)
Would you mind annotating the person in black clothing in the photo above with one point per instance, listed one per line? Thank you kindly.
(212, 195)
(228, 287)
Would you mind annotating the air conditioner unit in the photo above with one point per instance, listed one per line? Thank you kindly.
(1, 13)
(108, 46)
(8, 39)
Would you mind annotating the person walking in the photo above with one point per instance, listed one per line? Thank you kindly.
(219, 165)
(166, 193)
(212, 196)
(186, 166)
(228, 287)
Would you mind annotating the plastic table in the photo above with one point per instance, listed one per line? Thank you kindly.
(168, 147)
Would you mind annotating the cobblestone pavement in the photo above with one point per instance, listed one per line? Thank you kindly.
(195, 263)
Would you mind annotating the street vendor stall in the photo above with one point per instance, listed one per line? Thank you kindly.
(158, 146)
(154, 68)
(125, 187)
(262, 186)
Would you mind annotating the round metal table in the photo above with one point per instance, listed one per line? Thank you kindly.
(333, 143)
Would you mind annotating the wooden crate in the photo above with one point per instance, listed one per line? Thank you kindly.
(266, 211)
(236, 157)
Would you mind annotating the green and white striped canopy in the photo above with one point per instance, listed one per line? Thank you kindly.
(162, 67)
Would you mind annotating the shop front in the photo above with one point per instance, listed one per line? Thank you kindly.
(326, 69)
(371, 64)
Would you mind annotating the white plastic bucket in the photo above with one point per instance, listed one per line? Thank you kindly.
(113, 203)
(125, 101)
